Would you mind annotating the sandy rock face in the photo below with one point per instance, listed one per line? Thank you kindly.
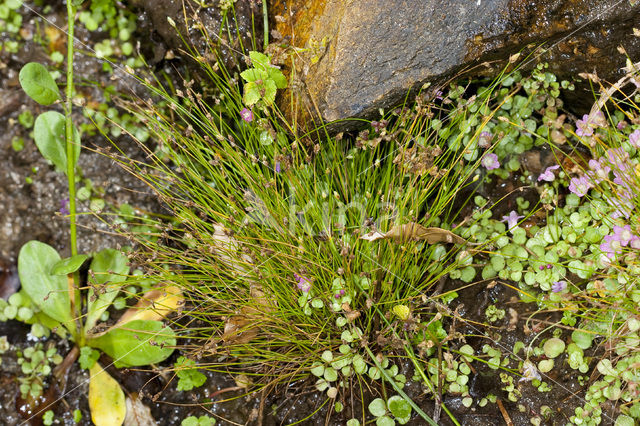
(362, 55)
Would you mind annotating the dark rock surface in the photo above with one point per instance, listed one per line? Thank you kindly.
(369, 53)
(243, 24)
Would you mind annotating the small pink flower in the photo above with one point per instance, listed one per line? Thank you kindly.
(512, 219)
(490, 161)
(484, 139)
(304, 284)
(247, 115)
(548, 175)
(611, 246)
(559, 286)
(599, 170)
(580, 186)
(583, 127)
(623, 234)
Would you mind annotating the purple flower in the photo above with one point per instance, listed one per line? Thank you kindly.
(247, 115)
(580, 186)
(611, 246)
(490, 161)
(599, 170)
(277, 168)
(303, 283)
(512, 219)
(583, 127)
(621, 125)
(548, 175)
(558, 286)
(634, 138)
(623, 234)
(484, 139)
(64, 207)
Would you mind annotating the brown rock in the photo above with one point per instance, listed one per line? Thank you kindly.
(362, 55)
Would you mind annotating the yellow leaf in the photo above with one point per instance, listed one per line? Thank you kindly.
(106, 398)
(153, 305)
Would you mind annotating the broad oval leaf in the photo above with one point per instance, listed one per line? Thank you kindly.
(38, 84)
(108, 268)
(49, 292)
(106, 398)
(49, 135)
(137, 343)
(69, 265)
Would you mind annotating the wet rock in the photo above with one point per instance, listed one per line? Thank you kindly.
(362, 55)
(240, 22)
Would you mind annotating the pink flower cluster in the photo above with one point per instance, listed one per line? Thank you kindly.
(615, 160)
(622, 237)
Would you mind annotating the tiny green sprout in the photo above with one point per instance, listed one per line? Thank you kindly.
(198, 421)
(48, 417)
(77, 415)
(493, 313)
(26, 119)
(189, 376)
(17, 143)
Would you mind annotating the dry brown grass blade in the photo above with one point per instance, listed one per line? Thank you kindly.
(416, 232)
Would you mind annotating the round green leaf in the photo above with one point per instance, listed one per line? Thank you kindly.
(137, 343)
(385, 421)
(624, 420)
(49, 135)
(69, 265)
(38, 84)
(377, 407)
(49, 292)
(582, 339)
(553, 347)
(399, 407)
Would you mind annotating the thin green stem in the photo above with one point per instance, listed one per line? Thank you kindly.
(71, 176)
(74, 294)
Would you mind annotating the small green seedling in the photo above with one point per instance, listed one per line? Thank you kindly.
(262, 81)
(189, 377)
(198, 421)
(396, 409)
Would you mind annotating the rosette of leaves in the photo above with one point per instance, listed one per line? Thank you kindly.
(262, 81)
(138, 338)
